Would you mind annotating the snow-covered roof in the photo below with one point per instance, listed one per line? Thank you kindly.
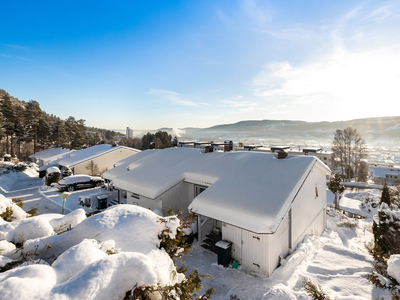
(90, 153)
(352, 205)
(248, 189)
(49, 153)
(382, 172)
(58, 157)
(122, 165)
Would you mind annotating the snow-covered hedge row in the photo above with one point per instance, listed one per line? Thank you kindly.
(101, 257)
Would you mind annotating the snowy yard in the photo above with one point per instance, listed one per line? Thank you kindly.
(338, 260)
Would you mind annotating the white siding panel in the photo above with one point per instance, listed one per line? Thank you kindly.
(234, 235)
(178, 197)
(104, 162)
(307, 205)
(143, 202)
(279, 243)
(252, 251)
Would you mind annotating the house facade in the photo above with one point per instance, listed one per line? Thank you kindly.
(46, 157)
(263, 205)
(388, 175)
(96, 159)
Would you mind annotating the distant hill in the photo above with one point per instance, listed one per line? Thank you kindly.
(384, 130)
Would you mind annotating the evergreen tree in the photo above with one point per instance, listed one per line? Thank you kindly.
(58, 133)
(9, 117)
(33, 114)
(147, 141)
(385, 196)
(336, 187)
(162, 140)
(44, 133)
(75, 132)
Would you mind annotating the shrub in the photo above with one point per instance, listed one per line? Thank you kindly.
(52, 178)
(7, 214)
(32, 212)
(347, 222)
(18, 202)
(175, 247)
(314, 291)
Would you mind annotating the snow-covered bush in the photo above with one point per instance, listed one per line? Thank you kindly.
(386, 230)
(10, 211)
(52, 175)
(111, 255)
(347, 222)
(369, 203)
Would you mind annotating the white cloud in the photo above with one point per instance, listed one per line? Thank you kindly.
(382, 13)
(292, 34)
(357, 80)
(239, 103)
(173, 97)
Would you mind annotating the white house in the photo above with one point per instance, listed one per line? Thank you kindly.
(262, 204)
(324, 156)
(47, 156)
(382, 174)
(103, 157)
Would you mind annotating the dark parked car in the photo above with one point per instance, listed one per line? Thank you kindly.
(76, 182)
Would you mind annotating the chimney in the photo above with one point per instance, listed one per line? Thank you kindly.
(282, 154)
(208, 149)
(228, 146)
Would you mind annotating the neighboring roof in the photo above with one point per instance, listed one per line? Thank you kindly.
(83, 155)
(353, 206)
(382, 172)
(122, 165)
(49, 153)
(57, 157)
(251, 190)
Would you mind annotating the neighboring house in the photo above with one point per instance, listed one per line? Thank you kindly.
(96, 159)
(263, 205)
(48, 156)
(390, 175)
(324, 156)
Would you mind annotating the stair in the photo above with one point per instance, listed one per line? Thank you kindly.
(113, 202)
(211, 239)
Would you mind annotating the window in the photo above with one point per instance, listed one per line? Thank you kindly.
(135, 196)
(316, 192)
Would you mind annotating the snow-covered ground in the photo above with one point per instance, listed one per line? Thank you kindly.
(337, 260)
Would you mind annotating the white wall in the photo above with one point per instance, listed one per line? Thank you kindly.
(177, 198)
(307, 217)
(248, 248)
(143, 201)
(103, 162)
(307, 206)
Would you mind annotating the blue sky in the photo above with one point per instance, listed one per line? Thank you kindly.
(148, 64)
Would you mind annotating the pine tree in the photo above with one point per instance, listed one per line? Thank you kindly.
(9, 117)
(385, 197)
(336, 187)
(386, 230)
(33, 114)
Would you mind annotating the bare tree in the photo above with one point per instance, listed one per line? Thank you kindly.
(93, 168)
(349, 151)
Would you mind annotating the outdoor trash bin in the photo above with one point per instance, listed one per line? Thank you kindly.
(224, 252)
(102, 202)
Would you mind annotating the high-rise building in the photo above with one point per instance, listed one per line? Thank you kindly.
(129, 133)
